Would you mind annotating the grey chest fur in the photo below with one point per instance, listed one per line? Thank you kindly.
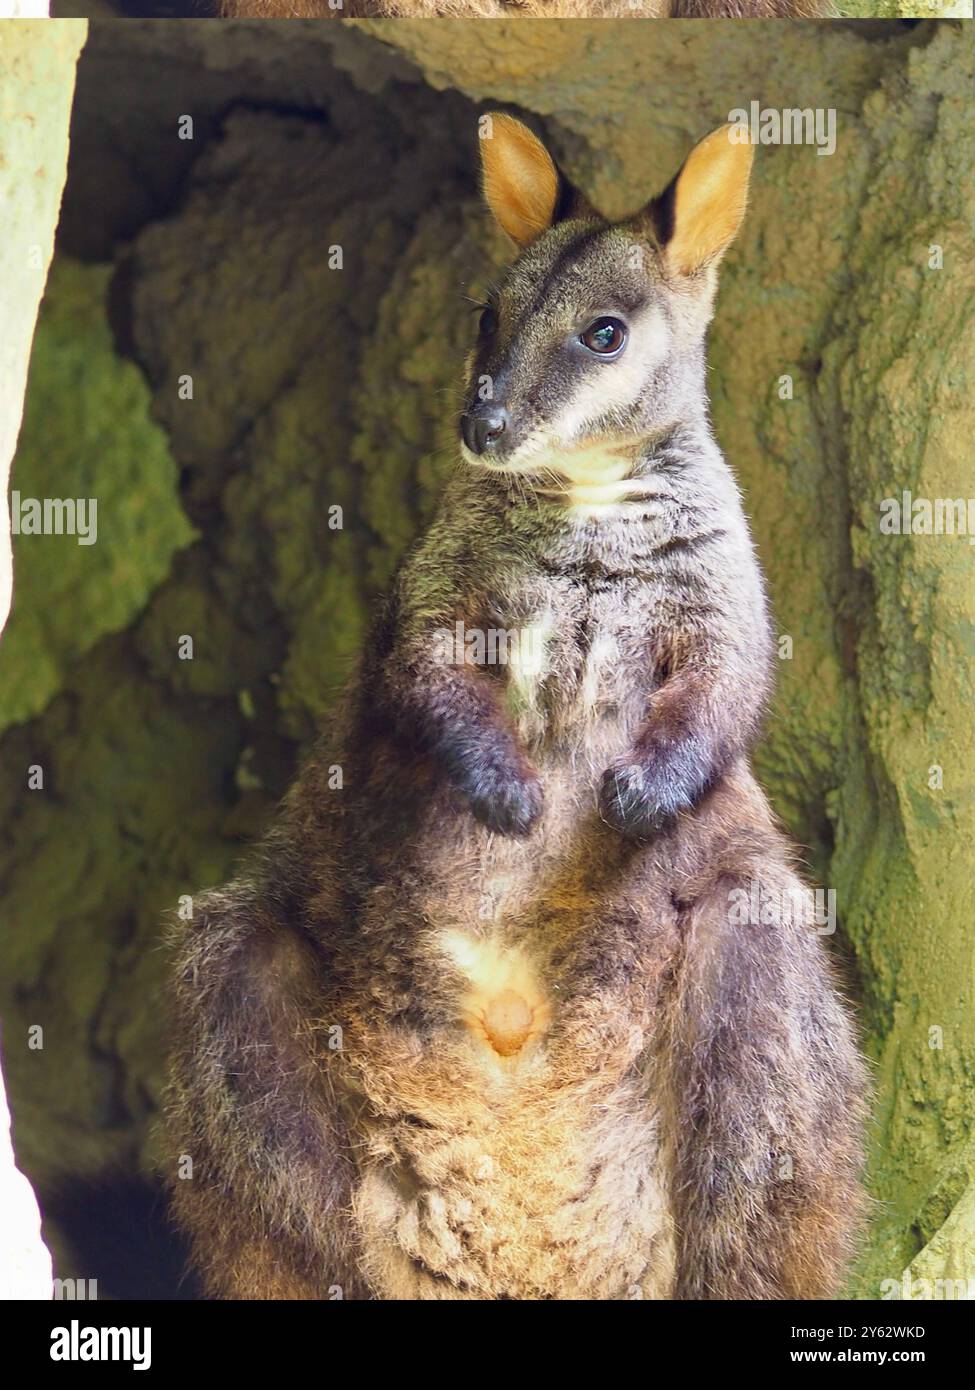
(574, 659)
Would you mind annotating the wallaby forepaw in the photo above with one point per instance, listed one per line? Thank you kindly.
(506, 804)
(631, 803)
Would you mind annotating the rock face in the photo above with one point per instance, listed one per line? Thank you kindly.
(36, 86)
(289, 282)
(37, 65)
(86, 404)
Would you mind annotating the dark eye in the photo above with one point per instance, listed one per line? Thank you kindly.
(605, 336)
(488, 321)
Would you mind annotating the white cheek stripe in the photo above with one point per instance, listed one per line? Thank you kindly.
(617, 385)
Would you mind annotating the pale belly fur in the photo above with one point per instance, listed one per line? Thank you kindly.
(533, 1162)
(525, 1153)
(562, 1194)
(537, 1172)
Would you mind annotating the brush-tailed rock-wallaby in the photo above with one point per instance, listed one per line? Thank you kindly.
(533, 1006)
(526, 9)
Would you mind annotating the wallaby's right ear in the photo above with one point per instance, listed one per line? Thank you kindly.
(697, 217)
(522, 187)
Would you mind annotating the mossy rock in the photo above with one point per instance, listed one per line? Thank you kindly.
(87, 434)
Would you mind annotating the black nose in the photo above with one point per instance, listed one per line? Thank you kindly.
(482, 427)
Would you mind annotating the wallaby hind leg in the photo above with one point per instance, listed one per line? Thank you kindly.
(238, 1262)
(259, 1172)
(769, 1094)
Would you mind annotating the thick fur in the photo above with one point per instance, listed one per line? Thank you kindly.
(545, 850)
(527, 9)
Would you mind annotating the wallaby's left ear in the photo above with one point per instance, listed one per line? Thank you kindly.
(697, 217)
(522, 186)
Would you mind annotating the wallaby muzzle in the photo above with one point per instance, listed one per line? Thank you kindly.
(482, 426)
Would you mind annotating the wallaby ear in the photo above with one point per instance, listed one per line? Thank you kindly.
(521, 183)
(697, 217)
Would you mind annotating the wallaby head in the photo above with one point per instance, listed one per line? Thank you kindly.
(594, 340)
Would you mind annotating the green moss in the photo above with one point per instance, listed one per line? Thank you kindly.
(130, 816)
(86, 434)
(903, 377)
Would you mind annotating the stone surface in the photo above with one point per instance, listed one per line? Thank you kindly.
(37, 68)
(943, 1269)
(899, 376)
(86, 438)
